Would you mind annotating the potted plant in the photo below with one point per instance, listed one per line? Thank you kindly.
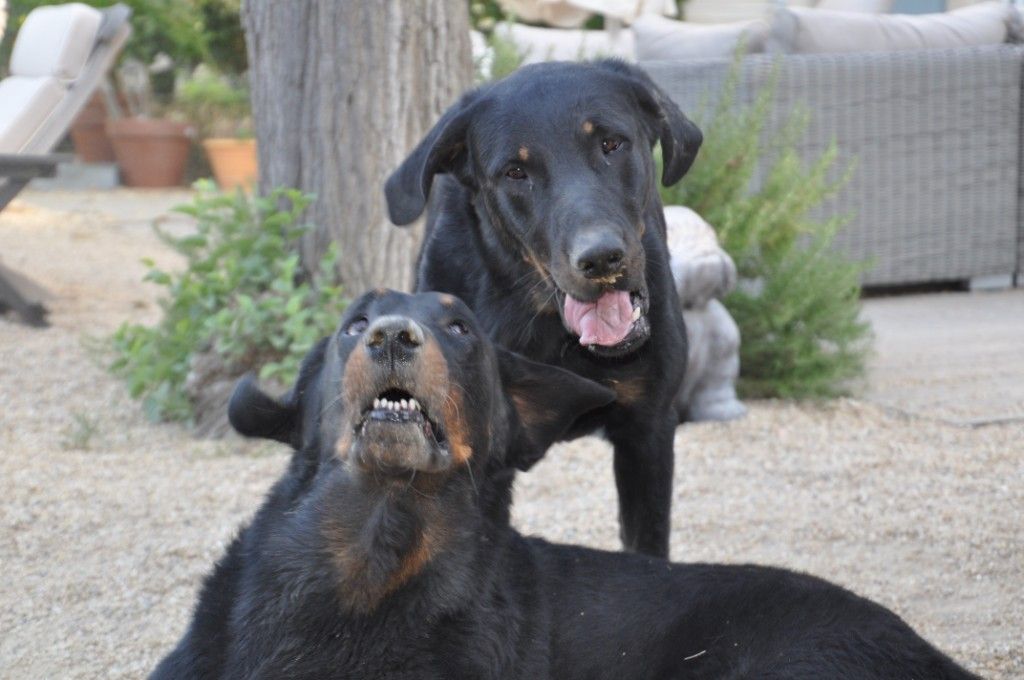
(151, 150)
(219, 107)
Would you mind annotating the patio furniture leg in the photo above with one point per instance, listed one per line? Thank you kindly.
(23, 296)
(11, 188)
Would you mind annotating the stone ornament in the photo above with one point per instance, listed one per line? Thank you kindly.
(704, 272)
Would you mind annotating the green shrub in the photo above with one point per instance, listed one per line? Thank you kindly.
(798, 303)
(240, 296)
(225, 38)
(502, 58)
(216, 104)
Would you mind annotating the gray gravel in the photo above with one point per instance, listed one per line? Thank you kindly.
(110, 522)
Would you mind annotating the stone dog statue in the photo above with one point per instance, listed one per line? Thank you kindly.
(703, 272)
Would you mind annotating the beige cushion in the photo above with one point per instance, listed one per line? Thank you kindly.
(55, 40)
(556, 44)
(867, 6)
(659, 38)
(805, 31)
(24, 104)
(560, 14)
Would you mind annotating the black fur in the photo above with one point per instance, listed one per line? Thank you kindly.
(489, 603)
(510, 247)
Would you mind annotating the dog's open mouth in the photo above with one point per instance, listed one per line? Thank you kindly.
(614, 324)
(396, 433)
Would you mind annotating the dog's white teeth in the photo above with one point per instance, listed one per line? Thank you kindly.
(414, 405)
(376, 403)
(636, 313)
(405, 405)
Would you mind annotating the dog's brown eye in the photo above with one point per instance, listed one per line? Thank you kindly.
(458, 328)
(609, 145)
(515, 172)
(357, 326)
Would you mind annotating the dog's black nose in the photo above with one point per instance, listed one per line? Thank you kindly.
(393, 338)
(599, 258)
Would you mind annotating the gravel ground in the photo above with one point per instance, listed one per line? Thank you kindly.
(110, 522)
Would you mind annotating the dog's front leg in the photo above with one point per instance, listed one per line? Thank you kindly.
(644, 461)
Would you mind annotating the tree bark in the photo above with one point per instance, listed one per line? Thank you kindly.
(342, 90)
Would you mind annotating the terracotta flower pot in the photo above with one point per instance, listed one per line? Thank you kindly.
(151, 152)
(89, 133)
(233, 161)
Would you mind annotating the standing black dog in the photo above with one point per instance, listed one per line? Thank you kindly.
(549, 225)
(385, 551)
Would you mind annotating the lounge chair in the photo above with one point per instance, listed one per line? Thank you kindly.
(62, 53)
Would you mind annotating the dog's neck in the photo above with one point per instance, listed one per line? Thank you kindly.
(385, 539)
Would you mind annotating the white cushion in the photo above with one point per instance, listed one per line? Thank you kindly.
(556, 44)
(56, 41)
(867, 6)
(24, 104)
(808, 31)
(660, 38)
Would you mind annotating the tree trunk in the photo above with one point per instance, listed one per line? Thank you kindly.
(342, 90)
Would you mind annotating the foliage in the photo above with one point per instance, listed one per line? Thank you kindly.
(78, 435)
(798, 302)
(217, 105)
(225, 39)
(183, 32)
(500, 58)
(484, 15)
(241, 296)
(168, 26)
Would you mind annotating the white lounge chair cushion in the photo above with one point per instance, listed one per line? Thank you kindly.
(56, 41)
(563, 44)
(24, 104)
(865, 6)
(807, 31)
(658, 38)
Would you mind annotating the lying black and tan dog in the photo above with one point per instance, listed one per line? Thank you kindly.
(547, 222)
(385, 551)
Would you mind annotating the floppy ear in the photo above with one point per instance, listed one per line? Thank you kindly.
(679, 136)
(254, 413)
(547, 401)
(442, 150)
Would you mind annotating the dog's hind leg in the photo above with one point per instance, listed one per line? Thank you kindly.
(643, 475)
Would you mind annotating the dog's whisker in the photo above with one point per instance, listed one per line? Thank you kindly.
(472, 481)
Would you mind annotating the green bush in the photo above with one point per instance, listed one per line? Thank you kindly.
(225, 39)
(502, 58)
(217, 105)
(798, 302)
(240, 296)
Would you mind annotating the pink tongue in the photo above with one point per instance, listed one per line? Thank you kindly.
(603, 322)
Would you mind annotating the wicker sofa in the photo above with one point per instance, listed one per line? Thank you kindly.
(936, 136)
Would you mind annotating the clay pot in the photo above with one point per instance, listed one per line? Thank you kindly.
(233, 162)
(89, 133)
(151, 152)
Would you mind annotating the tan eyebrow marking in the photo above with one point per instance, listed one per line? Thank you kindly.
(447, 300)
(524, 153)
(588, 127)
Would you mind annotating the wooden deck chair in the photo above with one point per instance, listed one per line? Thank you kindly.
(61, 54)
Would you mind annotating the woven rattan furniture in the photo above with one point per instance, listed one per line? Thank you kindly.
(937, 190)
